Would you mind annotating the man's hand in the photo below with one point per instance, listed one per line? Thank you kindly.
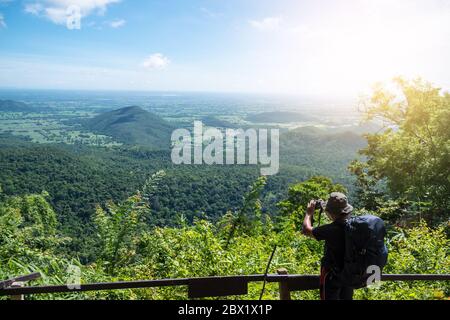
(307, 222)
(311, 208)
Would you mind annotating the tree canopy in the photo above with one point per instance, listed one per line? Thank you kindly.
(411, 156)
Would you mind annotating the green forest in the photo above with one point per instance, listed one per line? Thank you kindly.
(99, 209)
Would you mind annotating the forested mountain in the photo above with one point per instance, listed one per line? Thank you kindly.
(278, 117)
(133, 125)
(216, 122)
(15, 106)
(303, 142)
(79, 177)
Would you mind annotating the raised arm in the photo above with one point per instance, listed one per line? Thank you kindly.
(307, 222)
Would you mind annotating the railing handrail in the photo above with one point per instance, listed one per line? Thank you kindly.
(29, 277)
(201, 286)
(118, 285)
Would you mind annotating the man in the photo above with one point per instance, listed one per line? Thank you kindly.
(338, 210)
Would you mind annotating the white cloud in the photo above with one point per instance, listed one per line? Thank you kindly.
(2, 21)
(269, 23)
(56, 10)
(34, 8)
(156, 61)
(117, 23)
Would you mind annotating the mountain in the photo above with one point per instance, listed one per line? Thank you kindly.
(278, 117)
(133, 125)
(14, 106)
(319, 149)
(369, 127)
(212, 121)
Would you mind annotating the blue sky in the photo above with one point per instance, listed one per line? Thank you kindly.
(284, 46)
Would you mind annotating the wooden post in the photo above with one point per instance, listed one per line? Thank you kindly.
(18, 285)
(285, 293)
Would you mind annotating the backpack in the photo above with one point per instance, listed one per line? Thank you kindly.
(364, 247)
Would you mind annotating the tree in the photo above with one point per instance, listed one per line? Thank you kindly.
(248, 217)
(315, 188)
(412, 154)
(29, 240)
(293, 208)
(28, 223)
(119, 226)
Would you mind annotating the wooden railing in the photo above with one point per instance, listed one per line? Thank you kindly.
(197, 287)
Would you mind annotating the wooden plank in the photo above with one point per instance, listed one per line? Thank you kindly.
(217, 287)
(415, 277)
(18, 297)
(283, 286)
(303, 283)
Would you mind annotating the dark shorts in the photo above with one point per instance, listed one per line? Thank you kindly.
(331, 289)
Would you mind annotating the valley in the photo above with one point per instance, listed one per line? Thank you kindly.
(87, 155)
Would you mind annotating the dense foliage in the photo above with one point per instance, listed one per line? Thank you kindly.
(407, 167)
(79, 177)
(132, 250)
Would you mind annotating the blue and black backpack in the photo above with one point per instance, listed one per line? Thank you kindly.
(364, 247)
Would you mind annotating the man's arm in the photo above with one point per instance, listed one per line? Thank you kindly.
(307, 222)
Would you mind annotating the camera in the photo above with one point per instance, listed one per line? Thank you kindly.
(320, 204)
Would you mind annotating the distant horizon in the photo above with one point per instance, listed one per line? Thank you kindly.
(179, 92)
(185, 99)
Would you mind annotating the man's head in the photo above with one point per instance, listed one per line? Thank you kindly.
(337, 206)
